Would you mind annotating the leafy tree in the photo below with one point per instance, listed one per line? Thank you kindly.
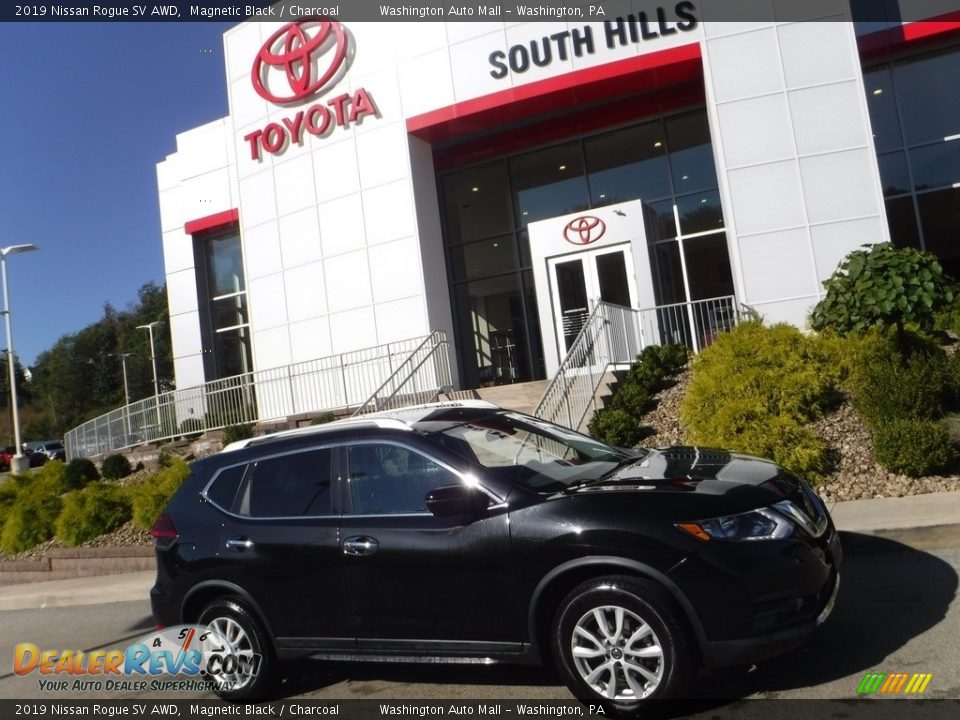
(883, 286)
(81, 376)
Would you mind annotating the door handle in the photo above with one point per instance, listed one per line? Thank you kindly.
(360, 545)
(240, 544)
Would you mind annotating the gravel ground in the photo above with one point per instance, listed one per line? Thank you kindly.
(856, 474)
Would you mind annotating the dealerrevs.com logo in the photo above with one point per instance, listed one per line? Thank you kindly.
(186, 658)
(300, 60)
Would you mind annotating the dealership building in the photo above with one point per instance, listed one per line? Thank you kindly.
(377, 181)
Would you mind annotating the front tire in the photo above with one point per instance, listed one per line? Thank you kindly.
(619, 639)
(233, 619)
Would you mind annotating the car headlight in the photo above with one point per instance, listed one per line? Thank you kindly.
(760, 524)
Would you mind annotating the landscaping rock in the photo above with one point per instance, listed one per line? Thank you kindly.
(856, 474)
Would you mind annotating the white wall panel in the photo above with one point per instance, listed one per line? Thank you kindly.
(400, 319)
(300, 238)
(827, 117)
(764, 258)
(395, 270)
(388, 212)
(838, 186)
(294, 184)
(306, 296)
(267, 301)
(348, 281)
(335, 169)
(341, 225)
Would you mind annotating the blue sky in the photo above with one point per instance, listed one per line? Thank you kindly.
(88, 111)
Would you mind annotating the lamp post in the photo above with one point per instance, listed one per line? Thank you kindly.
(126, 390)
(18, 463)
(153, 360)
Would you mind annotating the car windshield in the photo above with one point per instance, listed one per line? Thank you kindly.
(532, 453)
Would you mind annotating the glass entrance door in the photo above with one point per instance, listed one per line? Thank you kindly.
(579, 281)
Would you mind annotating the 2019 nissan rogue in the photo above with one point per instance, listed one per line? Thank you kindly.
(462, 531)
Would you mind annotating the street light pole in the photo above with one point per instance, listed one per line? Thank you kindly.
(126, 391)
(18, 463)
(153, 359)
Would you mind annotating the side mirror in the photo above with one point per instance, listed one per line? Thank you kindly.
(453, 500)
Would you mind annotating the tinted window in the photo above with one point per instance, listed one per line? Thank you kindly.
(389, 479)
(223, 491)
(289, 486)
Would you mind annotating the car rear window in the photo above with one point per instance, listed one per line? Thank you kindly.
(223, 490)
(293, 485)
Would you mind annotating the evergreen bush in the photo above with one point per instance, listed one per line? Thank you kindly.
(116, 467)
(614, 427)
(78, 473)
(913, 447)
(96, 510)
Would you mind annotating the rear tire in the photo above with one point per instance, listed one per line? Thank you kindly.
(236, 621)
(619, 640)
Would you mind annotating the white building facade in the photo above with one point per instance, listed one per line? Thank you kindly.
(377, 181)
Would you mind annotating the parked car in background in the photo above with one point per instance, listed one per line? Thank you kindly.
(463, 532)
(39, 451)
(6, 455)
(53, 449)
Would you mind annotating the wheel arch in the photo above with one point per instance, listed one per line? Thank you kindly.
(556, 584)
(206, 592)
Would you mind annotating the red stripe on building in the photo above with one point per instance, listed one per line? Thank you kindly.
(878, 45)
(572, 90)
(212, 222)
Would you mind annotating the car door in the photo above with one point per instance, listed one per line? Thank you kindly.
(418, 582)
(280, 543)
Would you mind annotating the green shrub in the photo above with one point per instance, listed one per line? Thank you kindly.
(30, 518)
(769, 370)
(884, 286)
(948, 319)
(632, 399)
(8, 496)
(323, 418)
(614, 427)
(150, 498)
(116, 467)
(167, 456)
(97, 509)
(913, 447)
(882, 390)
(78, 473)
(672, 358)
(191, 426)
(237, 432)
(755, 388)
(646, 376)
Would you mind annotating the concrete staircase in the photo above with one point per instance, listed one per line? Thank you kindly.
(522, 397)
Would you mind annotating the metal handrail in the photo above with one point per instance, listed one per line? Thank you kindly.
(436, 382)
(333, 382)
(613, 336)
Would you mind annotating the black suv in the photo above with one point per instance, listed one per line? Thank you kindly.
(463, 531)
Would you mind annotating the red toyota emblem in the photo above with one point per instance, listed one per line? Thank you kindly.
(584, 230)
(293, 50)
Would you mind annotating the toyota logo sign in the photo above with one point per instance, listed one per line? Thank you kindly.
(293, 52)
(584, 230)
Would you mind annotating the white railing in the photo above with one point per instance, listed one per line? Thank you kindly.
(330, 383)
(611, 339)
(419, 379)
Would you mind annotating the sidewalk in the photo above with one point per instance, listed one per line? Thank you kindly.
(894, 517)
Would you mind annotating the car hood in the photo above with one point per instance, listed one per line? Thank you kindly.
(704, 472)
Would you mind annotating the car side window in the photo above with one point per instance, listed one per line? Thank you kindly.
(293, 485)
(223, 491)
(387, 479)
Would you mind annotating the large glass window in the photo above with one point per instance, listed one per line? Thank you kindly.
(226, 324)
(666, 162)
(915, 115)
